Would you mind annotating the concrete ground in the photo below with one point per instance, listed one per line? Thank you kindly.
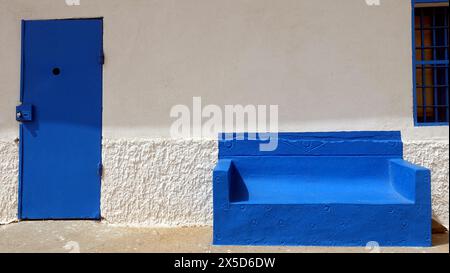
(87, 236)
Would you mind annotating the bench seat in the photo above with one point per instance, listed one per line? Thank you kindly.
(301, 190)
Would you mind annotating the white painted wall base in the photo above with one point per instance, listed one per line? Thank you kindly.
(433, 155)
(163, 182)
(150, 182)
(9, 182)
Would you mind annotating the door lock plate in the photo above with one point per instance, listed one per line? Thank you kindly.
(24, 112)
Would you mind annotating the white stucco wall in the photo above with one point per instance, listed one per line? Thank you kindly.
(9, 168)
(435, 156)
(158, 182)
(329, 65)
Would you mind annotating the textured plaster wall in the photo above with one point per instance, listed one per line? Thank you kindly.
(9, 168)
(158, 182)
(435, 156)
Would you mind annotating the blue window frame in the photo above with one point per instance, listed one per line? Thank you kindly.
(431, 61)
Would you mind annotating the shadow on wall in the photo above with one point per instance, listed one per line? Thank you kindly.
(438, 228)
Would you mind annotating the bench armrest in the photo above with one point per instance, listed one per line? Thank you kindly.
(221, 183)
(411, 181)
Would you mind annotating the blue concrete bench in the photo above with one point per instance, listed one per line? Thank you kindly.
(329, 189)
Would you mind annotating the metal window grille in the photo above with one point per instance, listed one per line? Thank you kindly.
(431, 98)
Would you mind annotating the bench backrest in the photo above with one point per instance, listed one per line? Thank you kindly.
(314, 167)
(365, 143)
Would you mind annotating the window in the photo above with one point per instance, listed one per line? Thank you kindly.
(431, 92)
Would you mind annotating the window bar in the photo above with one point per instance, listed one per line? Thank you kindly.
(435, 70)
(431, 86)
(441, 63)
(422, 44)
(428, 28)
(446, 69)
(431, 47)
(432, 106)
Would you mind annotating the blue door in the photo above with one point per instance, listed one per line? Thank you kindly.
(61, 119)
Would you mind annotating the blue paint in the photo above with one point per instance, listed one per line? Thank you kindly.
(432, 62)
(60, 144)
(429, 1)
(330, 189)
(440, 105)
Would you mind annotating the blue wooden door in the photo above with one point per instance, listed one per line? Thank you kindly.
(61, 119)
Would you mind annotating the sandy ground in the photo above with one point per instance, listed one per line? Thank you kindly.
(88, 236)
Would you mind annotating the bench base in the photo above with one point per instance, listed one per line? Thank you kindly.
(322, 225)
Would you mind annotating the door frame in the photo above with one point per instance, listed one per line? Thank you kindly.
(22, 86)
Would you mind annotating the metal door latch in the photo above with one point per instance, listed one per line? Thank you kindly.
(24, 112)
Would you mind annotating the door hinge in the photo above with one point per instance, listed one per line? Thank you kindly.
(102, 59)
(100, 170)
